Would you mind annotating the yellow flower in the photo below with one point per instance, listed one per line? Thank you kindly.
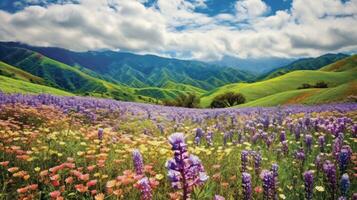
(282, 196)
(320, 188)
(37, 169)
(80, 153)
(159, 176)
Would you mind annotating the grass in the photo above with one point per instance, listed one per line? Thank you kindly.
(10, 85)
(287, 82)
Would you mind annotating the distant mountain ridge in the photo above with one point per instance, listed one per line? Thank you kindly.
(144, 70)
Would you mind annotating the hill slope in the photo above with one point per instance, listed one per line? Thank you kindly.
(305, 64)
(280, 89)
(61, 76)
(144, 70)
(10, 85)
(13, 72)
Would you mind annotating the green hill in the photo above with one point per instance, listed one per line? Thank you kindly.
(13, 72)
(61, 76)
(280, 89)
(305, 64)
(346, 64)
(307, 96)
(10, 85)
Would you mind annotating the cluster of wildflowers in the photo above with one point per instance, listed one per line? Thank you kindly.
(185, 171)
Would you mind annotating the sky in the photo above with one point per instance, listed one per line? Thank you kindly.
(206, 30)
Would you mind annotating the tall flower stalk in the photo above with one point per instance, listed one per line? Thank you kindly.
(185, 171)
(309, 184)
(247, 186)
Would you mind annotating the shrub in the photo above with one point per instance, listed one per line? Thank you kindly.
(189, 101)
(227, 100)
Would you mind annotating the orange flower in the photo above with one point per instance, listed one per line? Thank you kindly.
(22, 190)
(69, 180)
(99, 196)
(33, 187)
(258, 189)
(84, 177)
(81, 188)
(13, 169)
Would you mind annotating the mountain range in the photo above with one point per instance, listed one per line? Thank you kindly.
(149, 78)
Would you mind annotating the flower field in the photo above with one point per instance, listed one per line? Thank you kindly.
(85, 148)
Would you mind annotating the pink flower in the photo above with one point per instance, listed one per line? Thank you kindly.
(91, 183)
(55, 194)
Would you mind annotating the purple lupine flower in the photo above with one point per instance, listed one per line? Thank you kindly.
(184, 171)
(145, 188)
(244, 160)
(309, 184)
(282, 136)
(297, 132)
(336, 147)
(285, 147)
(319, 161)
(300, 154)
(268, 180)
(322, 143)
(274, 169)
(308, 142)
(257, 162)
(345, 184)
(100, 133)
(247, 186)
(344, 159)
(330, 173)
(138, 162)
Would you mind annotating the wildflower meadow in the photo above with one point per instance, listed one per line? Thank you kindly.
(86, 148)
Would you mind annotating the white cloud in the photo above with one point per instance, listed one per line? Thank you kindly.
(309, 28)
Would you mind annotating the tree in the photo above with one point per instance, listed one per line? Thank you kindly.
(227, 99)
(321, 84)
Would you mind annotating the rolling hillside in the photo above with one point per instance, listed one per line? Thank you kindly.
(144, 70)
(305, 64)
(13, 72)
(283, 89)
(61, 76)
(10, 85)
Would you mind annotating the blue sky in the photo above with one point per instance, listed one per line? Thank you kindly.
(207, 30)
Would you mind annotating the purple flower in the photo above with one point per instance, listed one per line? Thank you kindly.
(209, 138)
(138, 162)
(300, 155)
(309, 184)
(184, 171)
(322, 143)
(257, 162)
(268, 184)
(282, 136)
(145, 188)
(285, 147)
(308, 142)
(244, 160)
(344, 159)
(100, 133)
(330, 173)
(247, 186)
(345, 184)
